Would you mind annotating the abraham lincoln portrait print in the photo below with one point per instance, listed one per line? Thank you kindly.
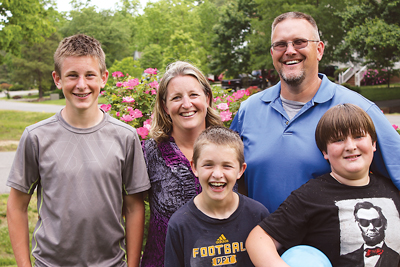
(369, 232)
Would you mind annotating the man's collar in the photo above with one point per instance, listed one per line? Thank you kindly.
(322, 95)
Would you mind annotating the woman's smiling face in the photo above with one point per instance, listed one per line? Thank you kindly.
(186, 104)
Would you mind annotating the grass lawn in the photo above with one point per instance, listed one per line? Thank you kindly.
(375, 93)
(13, 123)
(6, 253)
(102, 100)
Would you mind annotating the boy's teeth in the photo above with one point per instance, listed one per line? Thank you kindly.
(187, 114)
(81, 95)
(292, 62)
(217, 184)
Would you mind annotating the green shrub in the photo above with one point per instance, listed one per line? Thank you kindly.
(336, 73)
(354, 88)
(332, 79)
(17, 87)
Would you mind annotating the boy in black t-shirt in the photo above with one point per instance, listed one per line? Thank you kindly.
(211, 229)
(349, 214)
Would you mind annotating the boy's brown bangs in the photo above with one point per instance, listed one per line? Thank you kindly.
(341, 121)
(347, 125)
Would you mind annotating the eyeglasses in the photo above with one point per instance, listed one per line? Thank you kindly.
(366, 223)
(297, 44)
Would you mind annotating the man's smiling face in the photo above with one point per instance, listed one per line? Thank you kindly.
(294, 65)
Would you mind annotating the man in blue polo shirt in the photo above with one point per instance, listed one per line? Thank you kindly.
(277, 125)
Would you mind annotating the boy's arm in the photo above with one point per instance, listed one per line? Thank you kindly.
(18, 228)
(134, 224)
(262, 249)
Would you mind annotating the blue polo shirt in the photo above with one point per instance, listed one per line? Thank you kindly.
(281, 154)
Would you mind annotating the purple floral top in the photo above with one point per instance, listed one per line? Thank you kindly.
(172, 185)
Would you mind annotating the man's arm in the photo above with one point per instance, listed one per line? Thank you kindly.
(262, 249)
(18, 228)
(134, 223)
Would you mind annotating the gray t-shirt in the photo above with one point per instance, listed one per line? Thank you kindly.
(291, 107)
(81, 176)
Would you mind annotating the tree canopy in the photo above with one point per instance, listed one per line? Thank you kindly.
(22, 20)
(215, 35)
(372, 34)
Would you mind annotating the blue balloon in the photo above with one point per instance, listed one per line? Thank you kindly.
(305, 256)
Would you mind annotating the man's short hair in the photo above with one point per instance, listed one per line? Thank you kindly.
(79, 45)
(341, 121)
(296, 15)
(221, 136)
(368, 205)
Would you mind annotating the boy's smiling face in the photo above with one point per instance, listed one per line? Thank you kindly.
(218, 169)
(81, 81)
(350, 159)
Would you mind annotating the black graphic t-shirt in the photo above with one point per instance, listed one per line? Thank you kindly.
(345, 222)
(194, 239)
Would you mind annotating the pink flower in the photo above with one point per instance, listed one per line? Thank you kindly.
(223, 106)
(239, 94)
(102, 92)
(117, 114)
(154, 84)
(129, 109)
(117, 74)
(217, 98)
(225, 115)
(151, 71)
(230, 99)
(119, 84)
(131, 83)
(153, 92)
(146, 92)
(128, 99)
(395, 126)
(126, 118)
(106, 108)
(147, 124)
(142, 131)
(136, 113)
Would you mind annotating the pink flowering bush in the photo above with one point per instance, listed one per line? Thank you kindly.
(396, 128)
(131, 100)
(372, 77)
(227, 103)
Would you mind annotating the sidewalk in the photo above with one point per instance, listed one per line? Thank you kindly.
(23, 106)
(6, 160)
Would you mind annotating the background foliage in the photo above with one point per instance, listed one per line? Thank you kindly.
(215, 35)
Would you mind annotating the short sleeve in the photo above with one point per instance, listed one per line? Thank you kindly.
(288, 223)
(24, 174)
(135, 177)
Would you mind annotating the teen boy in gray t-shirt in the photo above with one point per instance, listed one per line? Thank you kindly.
(88, 169)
